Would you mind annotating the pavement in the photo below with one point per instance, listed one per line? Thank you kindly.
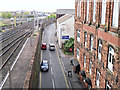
(74, 81)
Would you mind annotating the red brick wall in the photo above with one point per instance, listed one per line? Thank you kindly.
(107, 40)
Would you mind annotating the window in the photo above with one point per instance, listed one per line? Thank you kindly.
(99, 49)
(94, 10)
(108, 87)
(85, 39)
(84, 60)
(116, 13)
(80, 9)
(103, 12)
(78, 53)
(110, 58)
(78, 4)
(97, 78)
(90, 67)
(91, 42)
(78, 35)
(87, 10)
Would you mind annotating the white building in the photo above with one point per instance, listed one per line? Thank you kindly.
(65, 28)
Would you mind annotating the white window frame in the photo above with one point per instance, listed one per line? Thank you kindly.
(90, 67)
(84, 60)
(115, 21)
(99, 49)
(78, 53)
(98, 78)
(91, 42)
(78, 9)
(85, 39)
(94, 11)
(103, 12)
(78, 37)
(87, 18)
(110, 59)
(107, 85)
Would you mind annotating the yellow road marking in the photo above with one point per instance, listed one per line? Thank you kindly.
(62, 69)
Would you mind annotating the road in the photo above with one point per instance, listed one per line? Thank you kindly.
(55, 77)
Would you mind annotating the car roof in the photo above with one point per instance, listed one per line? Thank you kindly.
(52, 44)
(44, 43)
(45, 61)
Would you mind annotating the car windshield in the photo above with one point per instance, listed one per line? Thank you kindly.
(44, 64)
(52, 46)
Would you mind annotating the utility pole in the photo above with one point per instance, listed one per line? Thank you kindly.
(34, 20)
(10, 81)
(15, 19)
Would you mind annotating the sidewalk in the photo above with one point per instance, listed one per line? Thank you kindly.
(74, 81)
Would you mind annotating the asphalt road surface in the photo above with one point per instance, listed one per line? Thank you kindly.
(55, 77)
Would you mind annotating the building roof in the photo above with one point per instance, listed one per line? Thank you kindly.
(65, 11)
(64, 18)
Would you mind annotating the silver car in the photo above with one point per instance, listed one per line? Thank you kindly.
(52, 47)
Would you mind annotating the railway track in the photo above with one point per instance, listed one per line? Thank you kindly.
(10, 44)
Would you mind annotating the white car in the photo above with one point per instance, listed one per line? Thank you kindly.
(52, 47)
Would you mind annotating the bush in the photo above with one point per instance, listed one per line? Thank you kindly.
(69, 44)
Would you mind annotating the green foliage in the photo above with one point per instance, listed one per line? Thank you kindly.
(9, 15)
(4, 15)
(69, 44)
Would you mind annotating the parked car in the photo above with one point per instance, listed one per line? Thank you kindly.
(52, 47)
(44, 46)
(44, 66)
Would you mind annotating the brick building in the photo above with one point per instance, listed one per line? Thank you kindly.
(97, 42)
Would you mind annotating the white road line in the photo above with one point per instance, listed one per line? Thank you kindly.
(50, 61)
(53, 83)
(50, 55)
(51, 71)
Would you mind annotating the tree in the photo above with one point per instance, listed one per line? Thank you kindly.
(4, 15)
(9, 15)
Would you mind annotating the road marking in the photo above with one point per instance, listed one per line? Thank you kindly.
(62, 70)
(50, 55)
(51, 71)
(53, 83)
(50, 62)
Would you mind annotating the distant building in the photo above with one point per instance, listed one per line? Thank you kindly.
(61, 12)
(97, 43)
(65, 28)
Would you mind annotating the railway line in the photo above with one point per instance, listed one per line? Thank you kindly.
(10, 44)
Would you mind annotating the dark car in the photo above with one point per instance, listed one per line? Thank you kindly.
(44, 65)
(44, 46)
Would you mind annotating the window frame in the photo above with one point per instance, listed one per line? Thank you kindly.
(103, 15)
(97, 78)
(87, 17)
(115, 19)
(94, 11)
(91, 42)
(99, 46)
(110, 58)
(78, 37)
(78, 53)
(90, 67)
(85, 60)
(85, 39)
